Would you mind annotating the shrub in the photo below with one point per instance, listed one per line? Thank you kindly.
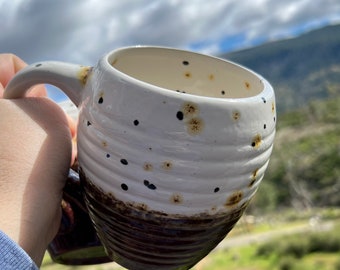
(295, 246)
(324, 242)
(287, 263)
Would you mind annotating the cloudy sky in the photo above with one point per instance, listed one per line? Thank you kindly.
(81, 31)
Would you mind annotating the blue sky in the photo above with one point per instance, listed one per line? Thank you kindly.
(81, 31)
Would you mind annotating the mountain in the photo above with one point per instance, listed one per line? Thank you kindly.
(300, 69)
(304, 171)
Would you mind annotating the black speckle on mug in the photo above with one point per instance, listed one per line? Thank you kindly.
(180, 91)
(264, 126)
(217, 189)
(100, 100)
(179, 115)
(88, 123)
(136, 122)
(186, 63)
(124, 187)
(252, 182)
(149, 185)
(124, 161)
(38, 65)
(264, 100)
(108, 155)
(195, 126)
(223, 92)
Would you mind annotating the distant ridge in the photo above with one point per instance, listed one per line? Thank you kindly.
(300, 69)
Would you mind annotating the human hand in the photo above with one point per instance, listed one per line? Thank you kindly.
(35, 156)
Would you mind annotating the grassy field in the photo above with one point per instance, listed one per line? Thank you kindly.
(289, 241)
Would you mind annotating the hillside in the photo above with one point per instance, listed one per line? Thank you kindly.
(304, 171)
(300, 69)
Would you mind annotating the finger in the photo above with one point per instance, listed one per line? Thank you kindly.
(10, 64)
(73, 128)
(37, 91)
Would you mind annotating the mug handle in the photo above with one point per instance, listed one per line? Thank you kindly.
(69, 78)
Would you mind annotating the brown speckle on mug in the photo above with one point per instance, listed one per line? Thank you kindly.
(83, 74)
(195, 126)
(141, 206)
(247, 84)
(254, 175)
(253, 178)
(236, 115)
(104, 143)
(211, 77)
(273, 107)
(188, 74)
(176, 198)
(147, 167)
(234, 198)
(167, 165)
(256, 141)
(190, 109)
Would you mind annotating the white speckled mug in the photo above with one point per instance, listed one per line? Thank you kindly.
(172, 146)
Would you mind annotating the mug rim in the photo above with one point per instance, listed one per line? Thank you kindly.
(267, 89)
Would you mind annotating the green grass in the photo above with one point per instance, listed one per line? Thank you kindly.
(307, 251)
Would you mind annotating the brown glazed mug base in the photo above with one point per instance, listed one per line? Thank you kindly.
(138, 238)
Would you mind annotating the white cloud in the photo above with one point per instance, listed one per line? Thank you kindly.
(83, 30)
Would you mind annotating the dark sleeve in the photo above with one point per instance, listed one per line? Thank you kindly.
(12, 256)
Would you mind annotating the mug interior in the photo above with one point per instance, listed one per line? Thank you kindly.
(187, 72)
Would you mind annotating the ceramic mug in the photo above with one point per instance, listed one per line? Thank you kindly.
(172, 146)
